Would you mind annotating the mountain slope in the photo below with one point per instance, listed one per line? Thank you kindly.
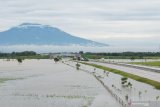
(37, 34)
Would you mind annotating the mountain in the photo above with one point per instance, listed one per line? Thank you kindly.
(37, 34)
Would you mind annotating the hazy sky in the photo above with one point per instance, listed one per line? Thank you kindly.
(131, 22)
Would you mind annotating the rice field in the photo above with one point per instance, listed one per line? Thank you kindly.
(44, 83)
(136, 92)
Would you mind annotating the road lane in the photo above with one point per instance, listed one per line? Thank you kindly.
(147, 74)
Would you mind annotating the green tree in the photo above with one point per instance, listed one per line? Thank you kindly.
(19, 60)
(132, 58)
(56, 60)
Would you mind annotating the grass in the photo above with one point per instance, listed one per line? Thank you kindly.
(156, 84)
(154, 63)
(5, 79)
(2, 80)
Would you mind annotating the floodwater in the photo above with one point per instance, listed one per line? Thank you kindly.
(148, 92)
(43, 83)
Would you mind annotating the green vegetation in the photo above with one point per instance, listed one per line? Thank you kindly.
(128, 75)
(19, 60)
(124, 80)
(154, 63)
(23, 55)
(56, 60)
(78, 66)
(125, 83)
(2, 80)
(123, 55)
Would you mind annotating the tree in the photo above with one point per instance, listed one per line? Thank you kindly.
(56, 60)
(81, 52)
(126, 97)
(19, 60)
(129, 85)
(77, 66)
(132, 58)
(140, 93)
(124, 81)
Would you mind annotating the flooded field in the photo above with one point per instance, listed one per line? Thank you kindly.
(137, 92)
(43, 83)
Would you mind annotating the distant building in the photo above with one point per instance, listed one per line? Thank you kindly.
(78, 56)
(75, 56)
(64, 54)
(81, 52)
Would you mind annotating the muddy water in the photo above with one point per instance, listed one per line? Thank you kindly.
(43, 83)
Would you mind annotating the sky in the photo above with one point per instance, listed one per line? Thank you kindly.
(114, 22)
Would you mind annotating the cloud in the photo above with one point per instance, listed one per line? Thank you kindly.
(92, 19)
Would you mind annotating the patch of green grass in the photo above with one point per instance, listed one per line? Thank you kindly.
(154, 63)
(2, 80)
(156, 84)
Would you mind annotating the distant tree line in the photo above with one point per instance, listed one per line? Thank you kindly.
(139, 55)
(25, 54)
(128, 54)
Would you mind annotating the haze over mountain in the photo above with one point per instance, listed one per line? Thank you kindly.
(37, 34)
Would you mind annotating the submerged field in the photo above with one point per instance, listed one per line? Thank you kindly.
(138, 91)
(43, 83)
(156, 84)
